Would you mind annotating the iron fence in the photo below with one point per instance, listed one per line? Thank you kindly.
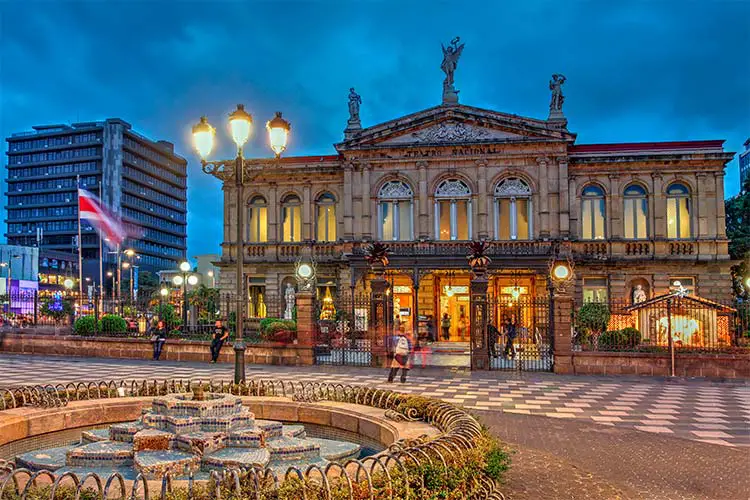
(519, 333)
(688, 324)
(341, 331)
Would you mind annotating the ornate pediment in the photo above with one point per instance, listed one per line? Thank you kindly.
(457, 124)
(450, 132)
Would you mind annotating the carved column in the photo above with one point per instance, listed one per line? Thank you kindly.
(721, 221)
(273, 213)
(306, 213)
(348, 199)
(574, 204)
(482, 199)
(700, 202)
(480, 354)
(423, 229)
(379, 328)
(542, 162)
(366, 202)
(614, 208)
(564, 198)
(357, 203)
(659, 206)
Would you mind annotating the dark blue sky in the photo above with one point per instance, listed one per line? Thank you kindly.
(637, 71)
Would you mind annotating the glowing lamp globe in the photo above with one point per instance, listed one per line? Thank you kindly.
(449, 291)
(185, 267)
(561, 272)
(164, 292)
(203, 137)
(278, 133)
(177, 280)
(68, 283)
(192, 280)
(240, 123)
(747, 282)
(305, 271)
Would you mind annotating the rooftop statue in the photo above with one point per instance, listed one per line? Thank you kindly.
(451, 54)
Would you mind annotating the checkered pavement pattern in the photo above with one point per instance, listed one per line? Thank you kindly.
(717, 413)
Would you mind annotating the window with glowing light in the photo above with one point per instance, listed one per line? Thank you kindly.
(453, 211)
(593, 214)
(595, 290)
(291, 219)
(257, 228)
(678, 212)
(512, 210)
(395, 212)
(326, 218)
(636, 212)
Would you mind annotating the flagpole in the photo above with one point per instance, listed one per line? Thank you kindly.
(101, 254)
(80, 243)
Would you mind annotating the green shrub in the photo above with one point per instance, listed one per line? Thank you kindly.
(266, 322)
(627, 337)
(111, 323)
(85, 325)
(592, 319)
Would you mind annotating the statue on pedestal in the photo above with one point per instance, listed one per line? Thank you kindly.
(639, 294)
(451, 54)
(353, 125)
(289, 298)
(557, 99)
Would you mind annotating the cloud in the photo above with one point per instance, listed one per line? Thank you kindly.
(637, 71)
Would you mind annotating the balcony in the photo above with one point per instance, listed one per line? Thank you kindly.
(292, 252)
(460, 248)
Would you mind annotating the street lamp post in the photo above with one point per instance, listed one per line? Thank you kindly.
(185, 279)
(162, 295)
(240, 122)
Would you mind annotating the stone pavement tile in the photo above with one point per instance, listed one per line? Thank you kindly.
(654, 428)
(711, 434)
(653, 423)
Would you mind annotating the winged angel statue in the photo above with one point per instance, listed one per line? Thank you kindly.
(450, 61)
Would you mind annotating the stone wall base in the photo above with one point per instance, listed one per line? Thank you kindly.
(129, 348)
(686, 365)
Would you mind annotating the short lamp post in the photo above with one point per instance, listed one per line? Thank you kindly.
(240, 124)
(68, 284)
(185, 279)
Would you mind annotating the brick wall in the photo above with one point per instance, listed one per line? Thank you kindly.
(686, 365)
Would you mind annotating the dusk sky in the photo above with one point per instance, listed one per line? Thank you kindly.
(636, 71)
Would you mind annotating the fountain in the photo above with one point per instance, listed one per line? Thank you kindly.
(192, 433)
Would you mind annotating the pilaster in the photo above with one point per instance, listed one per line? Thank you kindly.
(307, 233)
(658, 209)
(423, 221)
(701, 204)
(614, 208)
(273, 213)
(348, 210)
(564, 198)
(544, 232)
(481, 168)
(366, 202)
(721, 216)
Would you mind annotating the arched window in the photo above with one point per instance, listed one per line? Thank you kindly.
(257, 220)
(291, 219)
(453, 210)
(395, 211)
(636, 212)
(593, 214)
(678, 211)
(512, 210)
(326, 218)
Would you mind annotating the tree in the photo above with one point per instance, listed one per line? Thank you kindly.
(148, 283)
(57, 307)
(206, 302)
(737, 211)
(592, 319)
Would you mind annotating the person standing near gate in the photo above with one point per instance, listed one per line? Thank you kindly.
(493, 334)
(400, 360)
(221, 333)
(510, 335)
(445, 325)
(158, 338)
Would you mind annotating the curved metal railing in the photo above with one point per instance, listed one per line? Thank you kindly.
(458, 434)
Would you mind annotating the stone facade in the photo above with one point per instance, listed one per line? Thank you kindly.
(455, 172)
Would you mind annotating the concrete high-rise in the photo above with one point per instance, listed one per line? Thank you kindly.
(141, 180)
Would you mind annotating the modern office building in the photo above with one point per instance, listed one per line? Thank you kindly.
(141, 180)
(745, 165)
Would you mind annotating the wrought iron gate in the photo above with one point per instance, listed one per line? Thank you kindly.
(520, 328)
(341, 336)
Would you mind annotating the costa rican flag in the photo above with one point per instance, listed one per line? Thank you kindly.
(106, 223)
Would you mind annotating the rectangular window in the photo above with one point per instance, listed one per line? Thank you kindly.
(404, 221)
(595, 290)
(522, 218)
(462, 220)
(291, 225)
(593, 219)
(688, 283)
(386, 220)
(503, 219)
(444, 217)
(326, 223)
(258, 225)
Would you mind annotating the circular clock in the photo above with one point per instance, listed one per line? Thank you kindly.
(304, 271)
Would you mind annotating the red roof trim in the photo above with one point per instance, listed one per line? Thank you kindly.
(309, 159)
(644, 146)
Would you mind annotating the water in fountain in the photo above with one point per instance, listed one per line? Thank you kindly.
(182, 435)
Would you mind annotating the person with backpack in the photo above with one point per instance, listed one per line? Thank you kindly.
(400, 360)
(158, 338)
(510, 333)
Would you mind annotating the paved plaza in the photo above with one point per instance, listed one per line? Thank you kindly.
(713, 412)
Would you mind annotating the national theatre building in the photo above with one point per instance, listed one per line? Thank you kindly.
(630, 215)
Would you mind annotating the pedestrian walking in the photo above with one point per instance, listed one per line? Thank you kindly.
(510, 334)
(445, 325)
(493, 334)
(400, 360)
(221, 334)
(158, 338)
(431, 337)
